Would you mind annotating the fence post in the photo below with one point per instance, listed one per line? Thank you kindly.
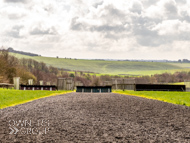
(116, 84)
(41, 82)
(30, 82)
(16, 81)
(48, 83)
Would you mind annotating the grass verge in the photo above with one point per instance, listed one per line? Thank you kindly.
(10, 97)
(181, 98)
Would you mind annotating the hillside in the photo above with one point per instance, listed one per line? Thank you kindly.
(11, 50)
(108, 67)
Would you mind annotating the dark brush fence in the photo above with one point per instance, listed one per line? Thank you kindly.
(94, 89)
(38, 87)
(159, 87)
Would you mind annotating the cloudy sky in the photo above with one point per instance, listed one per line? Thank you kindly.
(109, 29)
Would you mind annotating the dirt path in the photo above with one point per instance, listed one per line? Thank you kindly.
(77, 117)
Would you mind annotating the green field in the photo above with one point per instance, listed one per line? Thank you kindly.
(10, 97)
(177, 83)
(181, 98)
(111, 67)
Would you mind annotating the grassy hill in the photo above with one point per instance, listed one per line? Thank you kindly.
(110, 67)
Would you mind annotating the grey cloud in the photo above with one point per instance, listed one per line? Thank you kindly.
(181, 1)
(16, 16)
(171, 11)
(138, 28)
(110, 29)
(146, 37)
(136, 7)
(79, 2)
(77, 26)
(151, 41)
(170, 8)
(107, 28)
(49, 8)
(115, 36)
(103, 28)
(185, 16)
(15, 31)
(147, 3)
(16, 1)
(38, 31)
(110, 16)
(97, 4)
(113, 14)
(111, 32)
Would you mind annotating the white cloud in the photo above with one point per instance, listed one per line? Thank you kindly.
(13, 12)
(16, 1)
(139, 28)
(163, 10)
(172, 27)
(42, 29)
(136, 6)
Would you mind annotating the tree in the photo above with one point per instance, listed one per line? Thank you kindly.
(95, 81)
(71, 75)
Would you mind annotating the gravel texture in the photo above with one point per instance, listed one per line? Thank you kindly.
(95, 118)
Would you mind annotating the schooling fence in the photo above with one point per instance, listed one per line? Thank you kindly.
(94, 89)
(159, 87)
(38, 87)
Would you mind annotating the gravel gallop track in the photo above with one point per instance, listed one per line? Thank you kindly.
(77, 117)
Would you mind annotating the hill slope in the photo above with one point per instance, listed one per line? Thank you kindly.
(106, 67)
(21, 52)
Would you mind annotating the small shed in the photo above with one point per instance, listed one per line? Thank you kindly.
(94, 89)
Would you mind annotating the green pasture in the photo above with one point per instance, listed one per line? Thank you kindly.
(124, 68)
(181, 98)
(11, 97)
(183, 65)
(177, 83)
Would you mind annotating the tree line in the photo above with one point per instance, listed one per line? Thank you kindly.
(11, 66)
